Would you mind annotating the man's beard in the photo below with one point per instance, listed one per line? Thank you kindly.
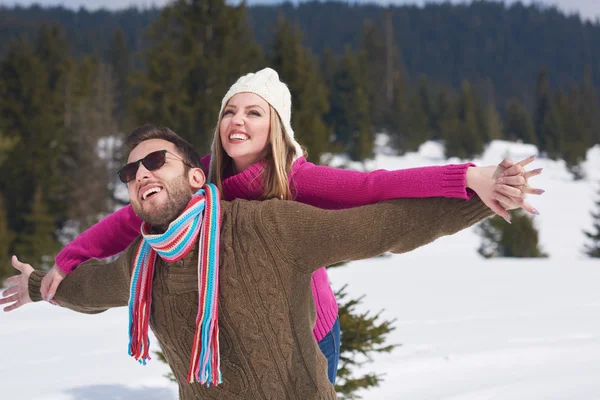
(179, 195)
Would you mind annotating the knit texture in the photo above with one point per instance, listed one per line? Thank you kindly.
(269, 251)
(199, 224)
(321, 186)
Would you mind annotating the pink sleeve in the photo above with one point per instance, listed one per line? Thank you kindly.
(205, 163)
(334, 188)
(108, 237)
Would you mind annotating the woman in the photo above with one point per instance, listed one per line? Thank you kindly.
(255, 156)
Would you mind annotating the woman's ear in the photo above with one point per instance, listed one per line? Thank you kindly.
(197, 178)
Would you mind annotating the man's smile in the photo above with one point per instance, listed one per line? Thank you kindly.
(148, 191)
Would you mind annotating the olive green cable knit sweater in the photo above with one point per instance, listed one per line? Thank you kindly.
(269, 250)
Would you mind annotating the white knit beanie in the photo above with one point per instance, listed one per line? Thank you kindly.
(267, 85)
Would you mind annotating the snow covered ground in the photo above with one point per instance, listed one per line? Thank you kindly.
(470, 329)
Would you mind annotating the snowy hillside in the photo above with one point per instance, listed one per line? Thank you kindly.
(470, 328)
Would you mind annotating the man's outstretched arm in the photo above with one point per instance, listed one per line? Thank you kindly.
(92, 288)
(309, 237)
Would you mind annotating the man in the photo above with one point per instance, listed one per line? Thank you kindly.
(257, 258)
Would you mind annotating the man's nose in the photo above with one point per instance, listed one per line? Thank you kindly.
(142, 173)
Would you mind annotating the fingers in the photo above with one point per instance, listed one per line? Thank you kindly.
(532, 173)
(516, 169)
(18, 264)
(527, 207)
(526, 161)
(10, 290)
(45, 286)
(511, 202)
(508, 191)
(505, 206)
(10, 299)
(515, 180)
(51, 282)
(507, 163)
(13, 306)
(499, 210)
(13, 280)
(53, 286)
(530, 190)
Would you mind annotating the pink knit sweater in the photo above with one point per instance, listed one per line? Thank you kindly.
(320, 186)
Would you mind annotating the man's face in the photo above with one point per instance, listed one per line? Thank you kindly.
(159, 196)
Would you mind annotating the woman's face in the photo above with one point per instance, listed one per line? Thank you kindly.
(244, 129)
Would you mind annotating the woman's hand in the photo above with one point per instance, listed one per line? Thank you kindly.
(50, 283)
(504, 186)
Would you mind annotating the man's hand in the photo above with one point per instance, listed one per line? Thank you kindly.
(18, 291)
(504, 187)
(50, 283)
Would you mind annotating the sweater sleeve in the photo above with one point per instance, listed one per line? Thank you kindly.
(205, 161)
(335, 188)
(108, 237)
(310, 237)
(93, 287)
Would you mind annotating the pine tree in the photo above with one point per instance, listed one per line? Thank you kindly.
(589, 109)
(385, 69)
(573, 147)
(554, 128)
(543, 105)
(443, 109)
(518, 239)
(89, 117)
(33, 85)
(329, 65)
(409, 120)
(373, 45)
(349, 113)
(464, 140)
(592, 248)
(492, 123)
(7, 236)
(394, 120)
(427, 102)
(31, 107)
(517, 123)
(6, 146)
(121, 63)
(197, 49)
(52, 49)
(363, 334)
(38, 240)
(299, 69)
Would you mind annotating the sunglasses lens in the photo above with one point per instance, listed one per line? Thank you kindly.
(128, 172)
(154, 160)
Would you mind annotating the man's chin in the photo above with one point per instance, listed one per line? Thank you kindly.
(146, 206)
(150, 211)
(162, 208)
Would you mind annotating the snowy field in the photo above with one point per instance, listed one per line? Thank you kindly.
(470, 329)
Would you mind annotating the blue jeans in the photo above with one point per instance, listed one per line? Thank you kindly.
(330, 347)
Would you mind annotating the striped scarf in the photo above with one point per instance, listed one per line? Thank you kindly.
(201, 218)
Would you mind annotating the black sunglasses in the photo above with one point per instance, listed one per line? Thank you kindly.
(151, 162)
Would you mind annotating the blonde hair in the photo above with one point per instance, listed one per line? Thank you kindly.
(275, 172)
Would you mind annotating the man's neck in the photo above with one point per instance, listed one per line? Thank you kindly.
(158, 230)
